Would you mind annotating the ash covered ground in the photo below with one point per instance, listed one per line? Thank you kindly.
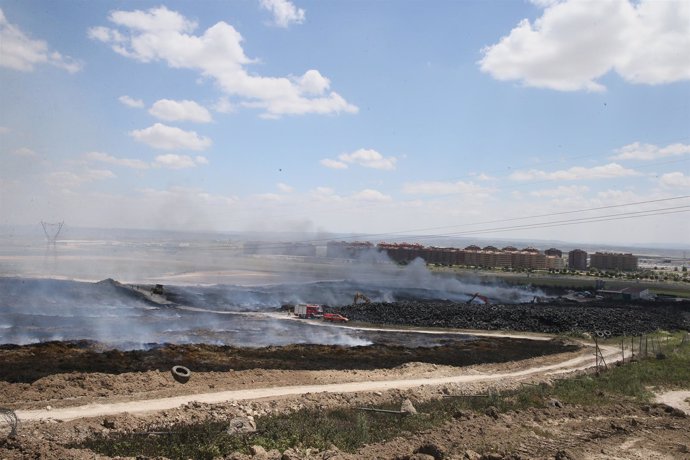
(554, 317)
(129, 316)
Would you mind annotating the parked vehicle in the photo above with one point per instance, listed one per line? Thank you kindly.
(309, 311)
(335, 318)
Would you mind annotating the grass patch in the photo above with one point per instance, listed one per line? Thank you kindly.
(349, 429)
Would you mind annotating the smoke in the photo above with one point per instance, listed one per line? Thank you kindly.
(225, 296)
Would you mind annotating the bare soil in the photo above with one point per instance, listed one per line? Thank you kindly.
(75, 373)
(56, 375)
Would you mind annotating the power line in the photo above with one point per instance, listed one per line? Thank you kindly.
(625, 215)
(519, 227)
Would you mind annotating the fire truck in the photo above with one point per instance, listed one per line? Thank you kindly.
(309, 311)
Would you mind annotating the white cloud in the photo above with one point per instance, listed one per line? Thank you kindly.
(105, 34)
(485, 177)
(561, 191)
(367, 158)
(69, 179)
(159, 34)
(638, 151)
(675, 180)
(325, 194)
(371, 195)
(169, 110)
(313, 83)
(160, 136)
(174, 161)
(19, 52)
(543, 3)
(223, 105)
(4, 130)
(132, 163)
(24, 152)
(444, 188)
(284, 187)
(576, 42)
(284, 12)
(269, 197)
(576, 173)
(333, 164)
(131, 102)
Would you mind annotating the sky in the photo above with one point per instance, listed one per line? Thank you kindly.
(541, 119)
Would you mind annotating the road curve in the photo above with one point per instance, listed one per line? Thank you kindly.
(152, 405)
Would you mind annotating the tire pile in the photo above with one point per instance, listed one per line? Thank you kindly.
(610, 318)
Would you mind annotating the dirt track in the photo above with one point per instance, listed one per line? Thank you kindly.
(621, 432)
(583, 361)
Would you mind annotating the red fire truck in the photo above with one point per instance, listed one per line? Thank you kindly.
(309, 311)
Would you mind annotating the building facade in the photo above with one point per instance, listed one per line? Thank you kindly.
(577, 259)
(613, 261)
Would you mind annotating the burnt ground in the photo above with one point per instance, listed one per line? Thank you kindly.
(630, 318)
(61, 374)
(29, 363)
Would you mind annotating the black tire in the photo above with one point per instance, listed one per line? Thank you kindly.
(181, 374)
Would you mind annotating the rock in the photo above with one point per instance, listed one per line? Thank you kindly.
(461, 415)
(492, 456)
(407, 407)
(290, 454)
(258, 451)
(553, 402)
(108, 423)
(49, 407)
(239, 425)
(673, 411)
(492, 412)
(472, 455)
(565, 455)
(432, 450)
(421, 457)
(331, 454)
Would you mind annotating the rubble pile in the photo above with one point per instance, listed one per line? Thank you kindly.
(554, 318)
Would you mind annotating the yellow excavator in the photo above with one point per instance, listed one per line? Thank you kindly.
(359, 296)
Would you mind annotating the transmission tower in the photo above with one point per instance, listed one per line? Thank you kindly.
(52, 230)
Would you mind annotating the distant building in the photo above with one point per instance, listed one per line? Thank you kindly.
(555, 262)
(613, 261)
(529, 258)
(554, 252)
(577, 259)
(629, 293)
(347, 249)
(402, 253)
(279, 248)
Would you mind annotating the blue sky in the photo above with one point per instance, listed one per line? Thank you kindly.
(369, 117)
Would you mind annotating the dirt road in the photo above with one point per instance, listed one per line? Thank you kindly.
(585, 360)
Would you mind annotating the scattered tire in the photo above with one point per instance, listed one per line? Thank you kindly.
(181, 374)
